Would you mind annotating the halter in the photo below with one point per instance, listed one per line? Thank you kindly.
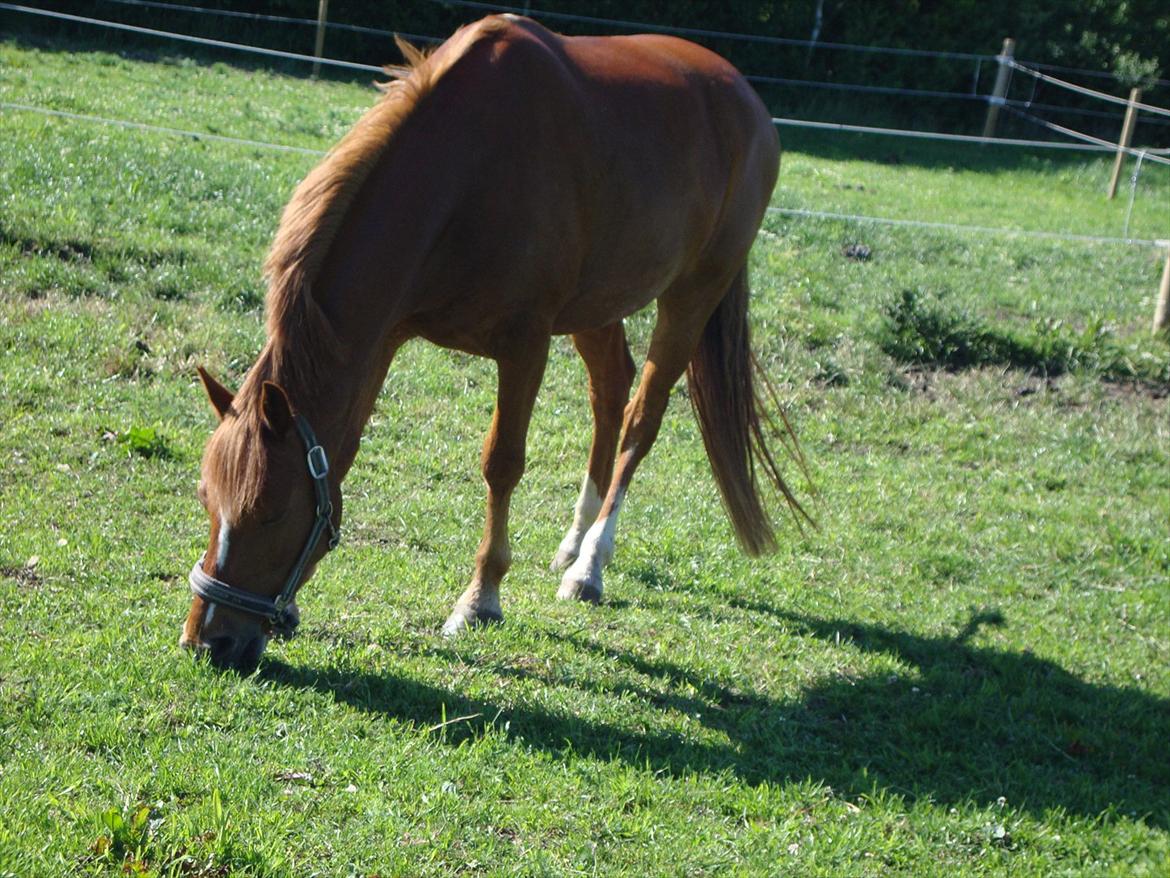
(275, 610)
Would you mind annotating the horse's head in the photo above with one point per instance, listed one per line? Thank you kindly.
(265, 487)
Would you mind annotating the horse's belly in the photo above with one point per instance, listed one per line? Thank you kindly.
(591, 311)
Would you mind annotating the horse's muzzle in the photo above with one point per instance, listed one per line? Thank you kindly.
(228, 653)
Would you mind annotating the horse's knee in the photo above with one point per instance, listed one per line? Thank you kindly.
(502, 469)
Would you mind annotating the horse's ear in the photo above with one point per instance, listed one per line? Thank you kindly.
(276, 410)
(220, 397)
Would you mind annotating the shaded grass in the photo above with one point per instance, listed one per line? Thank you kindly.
(924, 332)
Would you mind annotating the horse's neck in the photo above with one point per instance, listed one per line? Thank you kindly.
(371, 283)
(337, 398)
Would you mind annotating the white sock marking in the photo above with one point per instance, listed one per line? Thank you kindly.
(597, 547)
(584, 514)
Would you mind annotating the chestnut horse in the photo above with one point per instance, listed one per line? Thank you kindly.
(512, 185)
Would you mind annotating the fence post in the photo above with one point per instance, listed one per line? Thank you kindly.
(322, 15)
(1135, 95)
(1162, 309)
(999, 93)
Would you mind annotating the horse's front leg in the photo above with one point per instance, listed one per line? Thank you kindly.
(520, 371)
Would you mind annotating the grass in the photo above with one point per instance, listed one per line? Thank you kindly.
(964, 671)
(928, 333)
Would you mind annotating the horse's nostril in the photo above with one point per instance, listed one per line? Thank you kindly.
(195, 646)
(221, 650)
(249, 656)
(229, 653)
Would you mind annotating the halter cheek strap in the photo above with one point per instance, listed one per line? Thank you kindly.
(276, 610)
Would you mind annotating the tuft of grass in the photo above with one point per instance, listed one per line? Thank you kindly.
(925, 330)
(132, 843)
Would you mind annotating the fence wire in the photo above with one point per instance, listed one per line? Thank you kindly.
(1088, 92)
(187, 38)
(276, 19)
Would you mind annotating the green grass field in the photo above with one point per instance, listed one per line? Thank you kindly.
(964, 671)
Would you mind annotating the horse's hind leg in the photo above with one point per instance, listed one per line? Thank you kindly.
(611, 372)
(520, 373)
(682, 315)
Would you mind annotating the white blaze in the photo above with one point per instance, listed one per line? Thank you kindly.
(224, 542)
(221, 549)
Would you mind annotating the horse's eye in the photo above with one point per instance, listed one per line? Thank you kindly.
(275, 518)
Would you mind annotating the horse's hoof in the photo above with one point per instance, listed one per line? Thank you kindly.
(462, 618)
(573, 589)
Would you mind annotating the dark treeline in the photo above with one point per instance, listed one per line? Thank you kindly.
(1127, 40)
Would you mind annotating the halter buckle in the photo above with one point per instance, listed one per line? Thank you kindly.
(318, 463)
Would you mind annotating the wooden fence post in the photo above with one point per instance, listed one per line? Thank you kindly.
(1135, 95)
(322, 16)
(999, 92)
(1162, 309)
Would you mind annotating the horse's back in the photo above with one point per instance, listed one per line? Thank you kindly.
(571, 180)
(659, 155)
(649, 102)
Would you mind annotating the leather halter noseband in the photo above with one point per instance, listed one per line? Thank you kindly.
(275, 610)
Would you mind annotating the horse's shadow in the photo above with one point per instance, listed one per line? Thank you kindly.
(967, 724)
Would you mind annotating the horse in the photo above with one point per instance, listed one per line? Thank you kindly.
(512, 185)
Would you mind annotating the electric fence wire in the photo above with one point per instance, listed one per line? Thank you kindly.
(1084, 90)
(783, 211)
(1089, 74)
(356, 28)
(160, 129)
(773, 80)
(356, 66)
(712, 34)
(865, 89)
(812, 44)
(1032, 104)
(770, 80)
(966, 228)
(187, 38)
(278, 19)
(943, 136)
(1133, 183)
(1158, 156)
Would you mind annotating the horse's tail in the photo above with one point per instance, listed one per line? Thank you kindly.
(734, 420)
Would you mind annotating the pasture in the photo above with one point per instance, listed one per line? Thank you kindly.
(965, 670)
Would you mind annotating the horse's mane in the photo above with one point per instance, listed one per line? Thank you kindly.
(300, 336)
(301, 341)
(302, 346)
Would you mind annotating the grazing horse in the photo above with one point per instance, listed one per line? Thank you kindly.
(512, 185)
